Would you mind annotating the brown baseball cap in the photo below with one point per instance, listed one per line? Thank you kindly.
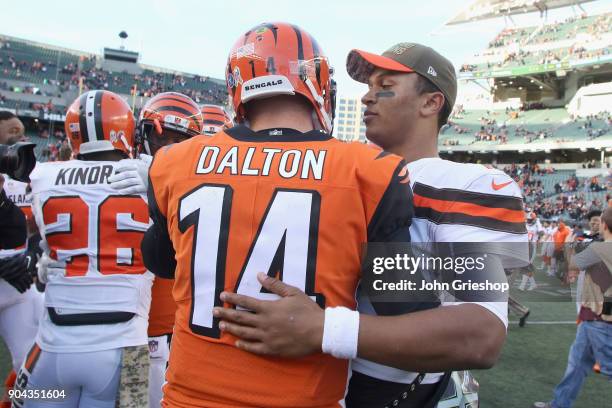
(407, 57)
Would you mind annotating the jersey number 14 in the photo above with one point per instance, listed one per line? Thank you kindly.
(285, 244)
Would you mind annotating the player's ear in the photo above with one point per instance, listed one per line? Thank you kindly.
(432, 104)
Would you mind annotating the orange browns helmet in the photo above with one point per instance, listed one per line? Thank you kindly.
(168, 113)
(280, 59)
(215, 119)
(100, 121)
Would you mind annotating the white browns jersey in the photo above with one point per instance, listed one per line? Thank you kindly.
(97, 232)
(459, 202)
(17, 192)
(534, 231)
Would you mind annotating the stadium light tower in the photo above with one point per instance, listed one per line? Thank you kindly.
(123, 35)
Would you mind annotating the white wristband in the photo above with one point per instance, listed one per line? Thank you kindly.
(340, 332)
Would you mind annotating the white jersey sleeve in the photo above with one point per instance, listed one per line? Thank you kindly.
(460, 203)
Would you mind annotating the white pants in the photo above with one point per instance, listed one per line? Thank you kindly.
(19, 316)
(159, 351)
(88, 380)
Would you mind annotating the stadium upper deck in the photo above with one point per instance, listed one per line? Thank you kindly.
(575, 42)
(55, 74)
(485, 9)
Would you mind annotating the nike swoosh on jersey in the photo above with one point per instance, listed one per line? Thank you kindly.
(496, 186)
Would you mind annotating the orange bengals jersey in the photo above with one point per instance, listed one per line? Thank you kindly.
(295, 205)
(161, 315)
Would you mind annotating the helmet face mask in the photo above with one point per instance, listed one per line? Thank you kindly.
(167, 118)
(99, 121)
(275, 59)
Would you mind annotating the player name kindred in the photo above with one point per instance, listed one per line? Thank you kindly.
(84, 175)
(304, 164)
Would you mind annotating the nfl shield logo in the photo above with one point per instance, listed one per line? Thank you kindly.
(153, 345)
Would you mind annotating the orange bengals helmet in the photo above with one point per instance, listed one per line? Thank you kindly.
(280, 59)
(100, 121)
(166, 118)
(215, 119)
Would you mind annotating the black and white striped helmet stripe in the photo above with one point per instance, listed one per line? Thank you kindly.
(90, 120)
(83, 118)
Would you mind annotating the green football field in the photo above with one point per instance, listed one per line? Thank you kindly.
(533, 358)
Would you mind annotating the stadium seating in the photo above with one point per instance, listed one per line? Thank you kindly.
(569, 28)
(24, 61)
(513, 46)
(523, 127)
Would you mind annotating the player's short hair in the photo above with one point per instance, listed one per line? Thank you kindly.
(424, 85)
(6, 115)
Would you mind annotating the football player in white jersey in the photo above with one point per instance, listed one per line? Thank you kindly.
(534, 232)
(411, 93)
(20, 305)
(97, 293)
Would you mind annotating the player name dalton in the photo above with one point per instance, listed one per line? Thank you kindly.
(304, 164)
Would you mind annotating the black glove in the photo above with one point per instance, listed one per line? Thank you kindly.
(15, 270)
(34, 252)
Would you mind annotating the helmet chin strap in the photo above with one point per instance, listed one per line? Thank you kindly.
(321, 103)
(127, 146)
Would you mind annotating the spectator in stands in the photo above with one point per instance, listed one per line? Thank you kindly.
(595, 205)
(65, 152)
(594, 186)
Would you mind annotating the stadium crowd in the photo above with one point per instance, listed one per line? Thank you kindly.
(568, 198)
(550, 33)
(495, 126)
(85, 74)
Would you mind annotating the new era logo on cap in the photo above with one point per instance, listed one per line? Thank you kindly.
(431, 71)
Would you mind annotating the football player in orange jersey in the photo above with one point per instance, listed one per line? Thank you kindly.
(215, 119)
(277, 194)
(97, 297)
(166, 118)
(411, 92)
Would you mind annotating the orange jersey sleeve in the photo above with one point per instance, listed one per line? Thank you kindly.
(297, 206)
(163, 308)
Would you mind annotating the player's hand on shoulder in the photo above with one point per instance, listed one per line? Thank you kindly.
(131, 176)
